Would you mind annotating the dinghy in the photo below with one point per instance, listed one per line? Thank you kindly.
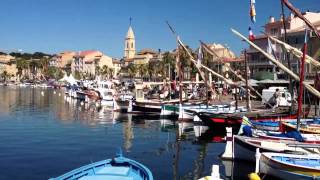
(304, 128)
(290, 166)
(245, 147)
(111, 169)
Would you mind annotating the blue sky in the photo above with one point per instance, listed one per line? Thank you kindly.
(52, 26)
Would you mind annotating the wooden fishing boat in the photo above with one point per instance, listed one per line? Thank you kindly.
(234, 120)
(268, 125)
(189, 109)
(307, 138)
(115, 168)
(290, 166)
(151, 106)
(304, 128)
(245, 147)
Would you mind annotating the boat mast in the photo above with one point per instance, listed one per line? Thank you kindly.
(207, 82)
(287, 57)
(247, 86)
(179, 64)
(188, 53)
(301, 80)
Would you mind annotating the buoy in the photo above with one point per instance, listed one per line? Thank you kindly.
(130, 106)
(228, 154)
(54, 92)
(81, 103)
(253, 176)
(59, 94)
(42, 93)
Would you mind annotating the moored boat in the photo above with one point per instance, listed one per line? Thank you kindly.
(115, 168)
(304, 128)
(290, 166)
(245, 147)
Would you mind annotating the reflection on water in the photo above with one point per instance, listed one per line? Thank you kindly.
(46, 135)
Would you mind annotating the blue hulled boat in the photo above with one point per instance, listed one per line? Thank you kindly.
(118, 168)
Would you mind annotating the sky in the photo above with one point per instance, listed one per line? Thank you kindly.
(52, 26)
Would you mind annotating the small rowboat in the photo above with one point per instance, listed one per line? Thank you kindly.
(290, 166)
(119, 168)
(244, 148)
(304, 128)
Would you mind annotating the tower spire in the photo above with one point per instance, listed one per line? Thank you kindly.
(129, 50)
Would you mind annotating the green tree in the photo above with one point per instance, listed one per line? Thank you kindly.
(168, 60)
(97, 70)
(111, 72)
(22, 65)
(105, 71)
(132, 70)
(5, 75)
(77, 75)
(142, 70)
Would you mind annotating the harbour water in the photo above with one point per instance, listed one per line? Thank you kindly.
(43, 135)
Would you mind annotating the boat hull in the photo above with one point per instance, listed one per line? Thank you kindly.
(245, 147)
(116, 168)
(282, 170)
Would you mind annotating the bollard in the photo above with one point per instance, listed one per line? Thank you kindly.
(228, 154)
(130, 106)
(180, 112)
(257, 160)
(215, 174)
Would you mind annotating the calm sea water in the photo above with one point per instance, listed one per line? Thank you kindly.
(46, 136)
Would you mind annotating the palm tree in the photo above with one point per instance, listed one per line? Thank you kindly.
(5, 75)
(105, 70)
(141, 69)
(168, 59)
(22, 66)
(44, 63)
(97, 70)
(111, 71)
(132, 70)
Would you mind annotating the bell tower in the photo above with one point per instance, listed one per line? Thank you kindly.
(130, 47)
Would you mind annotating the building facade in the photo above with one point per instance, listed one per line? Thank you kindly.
(295, 28)
(86, 62)
(8, 64)
(63, 59)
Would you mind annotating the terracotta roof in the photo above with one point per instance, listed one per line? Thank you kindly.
(116, 62)
(88, 52)
(129, 60)
(147, 51)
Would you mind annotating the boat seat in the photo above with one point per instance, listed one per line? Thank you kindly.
(273, 145)
(112, 170)
(104, 177)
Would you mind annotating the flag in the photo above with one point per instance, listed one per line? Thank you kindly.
(251, 35)
(252, 11)
(200, 56)
(271, 49)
